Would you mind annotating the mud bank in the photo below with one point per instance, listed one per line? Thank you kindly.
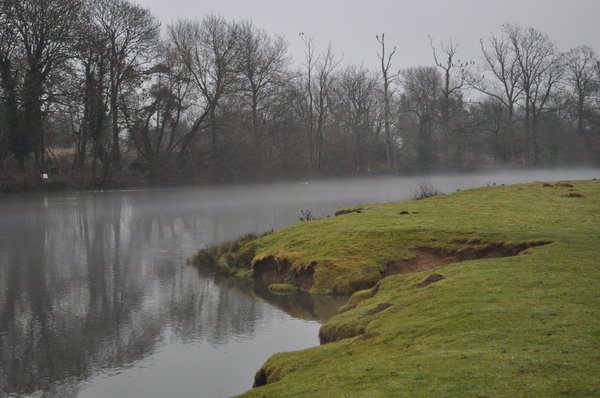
(241, 260)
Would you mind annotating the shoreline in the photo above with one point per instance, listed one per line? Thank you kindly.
(31, 182)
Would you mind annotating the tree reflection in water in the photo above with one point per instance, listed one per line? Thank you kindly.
(95, 282)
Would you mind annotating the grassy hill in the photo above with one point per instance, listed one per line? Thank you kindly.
(502, 298)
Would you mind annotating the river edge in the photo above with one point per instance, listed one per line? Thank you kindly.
(32, 182)
(442, 221)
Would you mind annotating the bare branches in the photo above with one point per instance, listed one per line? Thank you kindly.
(388, 79)
(317, 80)
(450, 65)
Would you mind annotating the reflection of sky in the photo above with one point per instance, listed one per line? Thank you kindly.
(95, 283)
(202, 369)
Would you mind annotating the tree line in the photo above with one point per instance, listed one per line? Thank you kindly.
(99, 88)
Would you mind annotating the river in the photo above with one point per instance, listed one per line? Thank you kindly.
(96, 299)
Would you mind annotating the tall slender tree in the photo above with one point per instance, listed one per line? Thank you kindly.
(388, 78)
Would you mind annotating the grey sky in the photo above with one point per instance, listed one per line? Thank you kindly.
(351, 25)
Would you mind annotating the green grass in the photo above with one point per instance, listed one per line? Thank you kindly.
(282, 288)
(522, 326)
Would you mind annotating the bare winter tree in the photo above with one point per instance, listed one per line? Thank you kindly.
(308, 111)
(318, 78)
(130, 32)
(209, 51)
(454, 80)
(388, 79)
(422, 87)
(540, 73)
(356, 113)
(262, 63)
(87, 106)
(325, 79)
(156, 117)
(580, 76)
(14, 137)
(40, 33)
(502, 66)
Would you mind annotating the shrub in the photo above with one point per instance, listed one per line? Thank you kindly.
(425, 190)
(305, 215)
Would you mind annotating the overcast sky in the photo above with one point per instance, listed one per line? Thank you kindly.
(351, 25)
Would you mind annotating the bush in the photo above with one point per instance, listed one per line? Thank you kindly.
(425, 190)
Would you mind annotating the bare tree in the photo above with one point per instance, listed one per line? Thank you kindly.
(502, 66)
(41, 33)
(540, 72)
(580, 74)
(155, 118)
(325, 80)
(262, 62)
(209, 51)
(422, 87)
(388, 79)
(130, 32)
(16, 138)
(88, 104)
(309, 64)
(355, 110)
(318, 78)
(454, 80)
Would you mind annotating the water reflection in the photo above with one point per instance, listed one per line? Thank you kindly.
(94, 282)
(299, 305)
(93, 286)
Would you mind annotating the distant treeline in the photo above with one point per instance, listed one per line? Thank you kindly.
(97, 90)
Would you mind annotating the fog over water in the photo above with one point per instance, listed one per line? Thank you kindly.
(96, 299)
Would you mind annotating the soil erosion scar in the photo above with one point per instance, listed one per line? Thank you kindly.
(426, 257)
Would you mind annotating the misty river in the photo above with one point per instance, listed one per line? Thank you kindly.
(96, 299)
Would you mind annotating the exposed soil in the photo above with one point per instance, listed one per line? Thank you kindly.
(426, 257)
(261, 378)
(279, 270)
(431, 279)
(368, 336)
(274, 270)
(348, 211)
(331, 334)
(574, 195)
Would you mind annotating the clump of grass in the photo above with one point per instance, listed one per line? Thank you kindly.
(230, 258)
(282, 288)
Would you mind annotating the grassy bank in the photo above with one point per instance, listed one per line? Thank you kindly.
(513, 308)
